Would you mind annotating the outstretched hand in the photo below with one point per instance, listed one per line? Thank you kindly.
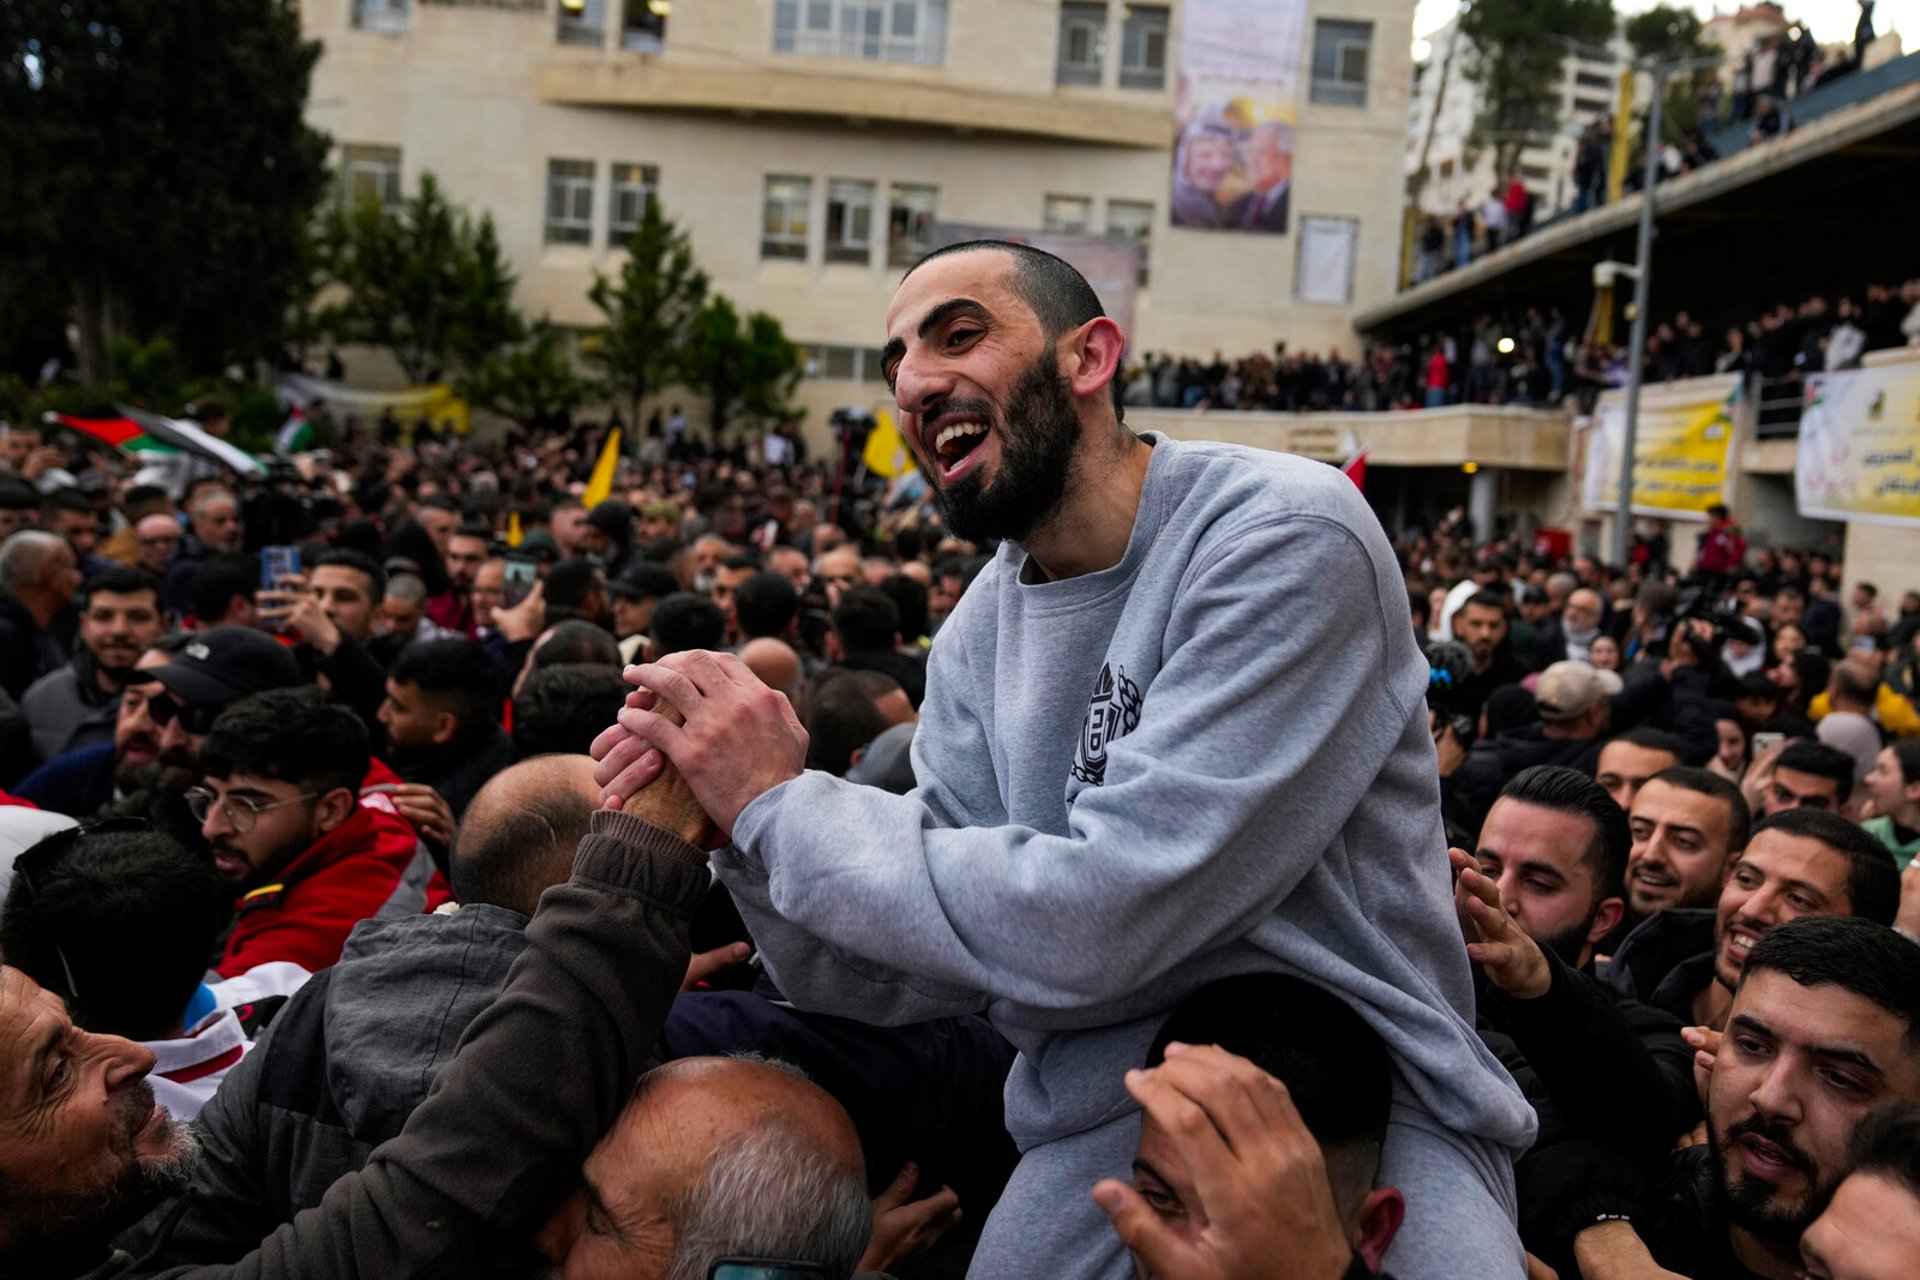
(1495, 941)
(738, 741)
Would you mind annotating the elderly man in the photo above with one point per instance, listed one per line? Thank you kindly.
(215, 529)
(39, 579)
(1133, 784)
(485, 1160)
(157, 537)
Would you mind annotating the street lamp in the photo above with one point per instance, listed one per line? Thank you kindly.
(1642, 274)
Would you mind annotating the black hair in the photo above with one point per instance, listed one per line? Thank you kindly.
(866, 619)
(143, 500)
(1878, 964)
(1336, 1068)
(842, 717)
(120, 923)
(524, 850)
(565, 707)
(123, 580)
(441, 502)
(910, 598)
(1651, 739)
(18, 495)
(1708, 783)
(1887, 1143)
(412, 542)
(217, 580)
(1822, 761)
(1418, 605)
(290, 735)
(1487, 600)
(569, 583)
(1873, 877)
(684, 621)
(1060, 297)
(67, 498)
(1568, 791)
(457, 675)
(766, 604)
(359, 562)
(1906, 754)
(738, 560)
(474, 529)
(574, 641)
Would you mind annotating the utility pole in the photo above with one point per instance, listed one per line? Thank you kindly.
(1642, 286)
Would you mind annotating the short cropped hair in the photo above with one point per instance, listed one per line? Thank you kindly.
(1820, 760)
(457, 676)
(290, 735)
(564, 708)
(1568, 791)
(1060, 297)
(1878, 964)
(1873, 877)
(1708, 783)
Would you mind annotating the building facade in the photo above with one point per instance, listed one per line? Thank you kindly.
(812, 147)
(1443, 170)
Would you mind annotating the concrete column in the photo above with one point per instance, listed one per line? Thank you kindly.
(1480, 498)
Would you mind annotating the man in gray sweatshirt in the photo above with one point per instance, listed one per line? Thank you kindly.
(1176, 731)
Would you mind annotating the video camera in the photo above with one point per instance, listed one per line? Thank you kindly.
(1451, 666)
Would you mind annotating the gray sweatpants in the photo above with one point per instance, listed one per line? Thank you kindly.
(1460, 1205)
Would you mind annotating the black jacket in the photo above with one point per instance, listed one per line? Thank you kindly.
(459, 769)
(1493, 762)
(27, 649)
(1666, 960)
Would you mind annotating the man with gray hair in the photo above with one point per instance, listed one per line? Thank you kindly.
(39, 579)
(214, 528)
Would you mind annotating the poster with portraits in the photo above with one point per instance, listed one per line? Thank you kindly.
(1234, 115)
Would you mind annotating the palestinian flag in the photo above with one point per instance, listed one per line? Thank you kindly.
(119, 433)
(296, 434)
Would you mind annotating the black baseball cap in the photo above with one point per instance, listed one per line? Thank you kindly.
(223, 664)
(644, 580)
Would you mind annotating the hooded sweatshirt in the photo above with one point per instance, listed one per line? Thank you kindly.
(1210, 759)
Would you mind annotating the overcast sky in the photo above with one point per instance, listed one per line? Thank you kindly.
(1831, 20)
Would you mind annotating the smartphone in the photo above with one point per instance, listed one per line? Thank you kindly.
(1765, 742)
(519, 579)
(764, 1269)
(277, 563)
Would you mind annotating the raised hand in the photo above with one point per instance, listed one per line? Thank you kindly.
(1512, 960)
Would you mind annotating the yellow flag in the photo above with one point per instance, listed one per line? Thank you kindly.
(886, 452)
(600, 485)
(514, 533)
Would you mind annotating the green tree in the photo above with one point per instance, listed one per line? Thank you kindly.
(746, 368)
(533, 383)
(157, 171)
(650, 308)
(1515, 49)
(421, 278)
(1667, 34)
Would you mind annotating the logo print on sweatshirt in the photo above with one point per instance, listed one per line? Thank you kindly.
(1112, 714)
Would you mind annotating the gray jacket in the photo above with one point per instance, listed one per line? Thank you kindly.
(337, 1074)
(67, 711)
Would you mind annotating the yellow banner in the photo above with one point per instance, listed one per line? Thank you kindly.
(886, 452)
(1859, 452)
(1680, 454)
(600, 483)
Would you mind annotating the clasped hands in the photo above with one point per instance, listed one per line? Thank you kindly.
(703, 722)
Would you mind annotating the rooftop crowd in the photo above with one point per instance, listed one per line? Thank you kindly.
(682, 884)
(1537, 357)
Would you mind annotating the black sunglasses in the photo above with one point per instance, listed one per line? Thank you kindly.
(195, 717)
(39, 859)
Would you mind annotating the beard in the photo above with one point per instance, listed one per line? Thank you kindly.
(1038, 436)
(1568, 944)
(1756, 1206)
(67, 1232)
(264, 866)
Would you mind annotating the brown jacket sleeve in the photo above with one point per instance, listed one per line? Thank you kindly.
(537, 1079)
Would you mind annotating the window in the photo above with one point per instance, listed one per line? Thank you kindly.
(1325, 269)
(1143, 48)
(1083, 43)
(877, 30)
(783, 231)
(383, 15)
(851, 364)
(645, 28)
(1588, 80)
(1132, 220)
(849, 221)
(569, 202)
(1340, 62)
(1588, 104)
(1068, 215)
(910, 212)
(370, 173)
(583, 22)
(633, 185)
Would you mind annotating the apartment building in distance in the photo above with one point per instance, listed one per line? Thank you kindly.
(814, 148)
(1443, 170)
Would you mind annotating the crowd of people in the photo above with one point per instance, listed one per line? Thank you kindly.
(1536, 357)
(1038, 867)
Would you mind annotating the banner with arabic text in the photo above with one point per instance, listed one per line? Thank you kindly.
(1859, 451)
(1682, 451)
